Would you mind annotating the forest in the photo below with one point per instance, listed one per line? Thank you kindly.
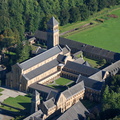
(17, 17)
(20, 16)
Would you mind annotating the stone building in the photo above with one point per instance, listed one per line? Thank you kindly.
(76, 112)
(52, 33)
(88, 50)
(43, 68)
(2, 72)
(60, 101)
(35, 73)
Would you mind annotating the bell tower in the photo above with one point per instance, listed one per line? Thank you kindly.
(35, 101)
(52, 33)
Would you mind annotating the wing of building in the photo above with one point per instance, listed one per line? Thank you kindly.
(57, 61)
(42, 68)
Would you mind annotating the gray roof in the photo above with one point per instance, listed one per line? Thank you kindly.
(41, 35)
(98, 76)
(35, 116)
(80, 68)
(67, 94)
(41, 88)
(53, 94)
(113, 66)
(76, 112)
(31, 39)
(86, 48)
(61, 58)
(39, 50)
(41, 57)
(49, 103)
(42, 69)
(65, 50)
(2, 67)
(53, 22)
(80, 60)
(90, 49)
(91, 83)
(73, 90)
(86, 63)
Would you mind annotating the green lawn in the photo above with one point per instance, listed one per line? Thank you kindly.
(9, 108)
(11, 53)
(34, 47)
(62, 81)
(77, 24)
(105, 35)
(70, 26)
(93, 63)
(1, 90)
(59, 83)
(21, 102)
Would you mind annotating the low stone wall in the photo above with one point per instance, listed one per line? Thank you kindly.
(88, 24)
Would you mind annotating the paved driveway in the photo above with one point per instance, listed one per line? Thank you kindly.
(9, 93)
(5, 117)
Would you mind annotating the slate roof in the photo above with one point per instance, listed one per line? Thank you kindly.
(90, 49)
(2, 67)
(76, 112)
(41, 35)
(61, 58)
(31, 39)
(98, 76)
(53, 22)
(112, 66)
(35, 116)
(41, 88)
(80, 68)
(83, 47)
(80, 60)
(73, 90)
(39, 50)
(41, 57)
(90, 83)
(66, 50)
(42, 69)
(53, 94)
(49, 103)
(86, 63)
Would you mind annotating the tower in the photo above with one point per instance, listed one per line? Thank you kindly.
(35, 101)
(52, 33)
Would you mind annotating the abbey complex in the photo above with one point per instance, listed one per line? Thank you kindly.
(59, 60)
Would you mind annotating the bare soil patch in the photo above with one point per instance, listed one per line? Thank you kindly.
(113, 16)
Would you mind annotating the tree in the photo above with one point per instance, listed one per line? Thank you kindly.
(102, 4)
(84, 12)
(102, 62)
(64, 17)
(92, 6)
(74, 14)
(24, 53)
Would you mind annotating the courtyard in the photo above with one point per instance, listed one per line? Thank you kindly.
(61, 83)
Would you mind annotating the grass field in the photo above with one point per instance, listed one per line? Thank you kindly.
(62, 81)
(93, 63)
(21, 102)
(105, 35)
(59, 83)
(1, 90)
